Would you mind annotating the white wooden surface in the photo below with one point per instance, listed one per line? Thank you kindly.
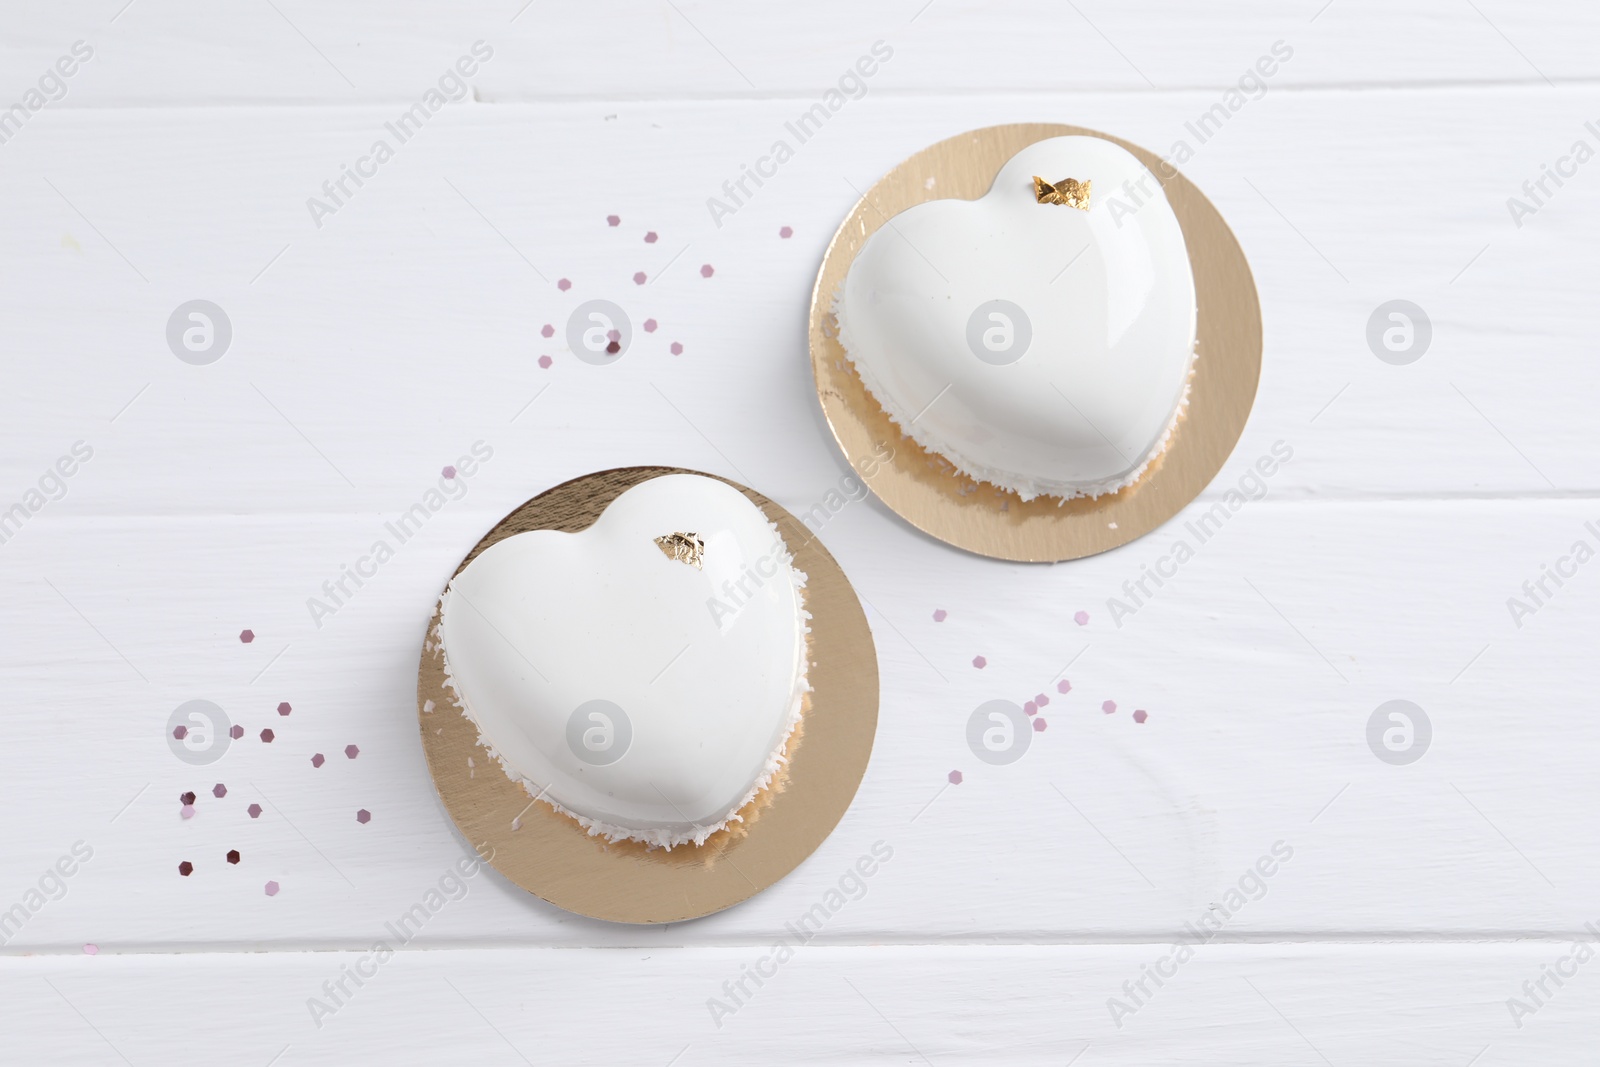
(372, 351)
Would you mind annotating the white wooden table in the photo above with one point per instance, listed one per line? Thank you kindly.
(376, 339)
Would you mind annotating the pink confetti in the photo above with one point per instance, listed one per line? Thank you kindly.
(638, 277)
(180, 731)
(613, 220)
(187, 811)
(979, 662)
(272, 889)
(351, 751)
(363, 816)
(1030, 708)
(649, 325)
(706, 270)
(447, 472)
(545, 361)
(1041, 700)
(219, 790)
(677, 349)
(91, 950)
(267, 736)
(236, 731)
(1140, 715)
(1063, 686)
(955, 776)
(284, 708)
(318, 760)
(1039, 725)
(1109, 707)
(940, 615)
(254, 810)
(1081, 618)
(563, 285)
(547, 330)
(650, 238)
(785, 232)
(247, 636)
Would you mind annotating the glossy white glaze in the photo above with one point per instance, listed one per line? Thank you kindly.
(707, 665)
(1106, 294)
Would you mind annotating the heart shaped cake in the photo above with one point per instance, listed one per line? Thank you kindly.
(1039, 338)
(643, 676)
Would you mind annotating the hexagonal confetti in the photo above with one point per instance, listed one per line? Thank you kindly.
(267, 736)
(254, 810)
(363, 816)
(351, 751)
(247, 636)
(284, 708)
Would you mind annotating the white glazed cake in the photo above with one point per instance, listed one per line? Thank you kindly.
(1039, 338)
(642, 676)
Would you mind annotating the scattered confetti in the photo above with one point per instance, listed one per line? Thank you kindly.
(267, 736)
(219, 790)
(1039, 725)
(186, 868)
(1140, 716)
(1030, 708)
(1063, 686)
(247, 636)
(650, 325)
(1081, 618)
(448, 472)
(91, 950)
(236, 731)
(363, 816)
(638, 277)
(706, 270)
(187, 798)
(254, 810)
(1041, 700)
(1109, 707)
(272, 889)
(547, 330)
(786, 233)
(563, 285)
(979, 662)
(318, 760)
(351, 752)
(650, 238)
(545, 361)
(940, 615)
(187, 811)
(233, 855)
(284, 708)
(955, 776)
(677, 349)
(613, 347)
(613, 220)
(180, 731)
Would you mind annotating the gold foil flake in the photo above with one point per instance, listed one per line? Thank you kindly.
(1068, 191)
(687, 548)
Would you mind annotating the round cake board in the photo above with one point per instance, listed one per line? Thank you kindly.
(924, 489)
(552, 857)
